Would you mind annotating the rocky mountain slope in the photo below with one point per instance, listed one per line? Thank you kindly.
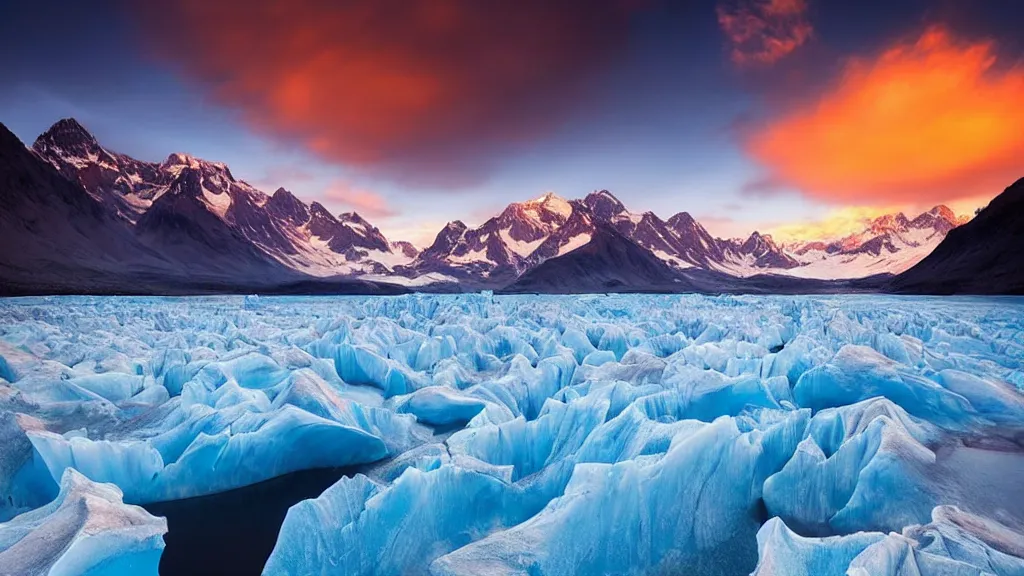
(608, 262)
(58, 237)
(984, 256)
(305, 238)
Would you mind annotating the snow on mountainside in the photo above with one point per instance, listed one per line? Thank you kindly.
(757, 254)
(57, 238)
(307, 238)
(502, 246)
(124, 183)
(524, 235)
(890, 244)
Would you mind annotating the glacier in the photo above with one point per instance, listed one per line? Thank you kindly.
(523, 435)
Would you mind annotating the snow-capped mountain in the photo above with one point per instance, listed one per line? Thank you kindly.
(526, 234)
(608, 261)
(760, 251)
(889, 244)
(188, 209)
(306, 238)
(116, 180)
(57, 238)
(186, 223)
(499, 248)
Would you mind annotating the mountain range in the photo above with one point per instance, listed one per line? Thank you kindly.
(84, 218)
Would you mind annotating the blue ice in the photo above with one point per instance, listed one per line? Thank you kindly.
(540, 435)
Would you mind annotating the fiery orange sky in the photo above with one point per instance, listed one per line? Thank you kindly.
(931, 119)
(847, 220)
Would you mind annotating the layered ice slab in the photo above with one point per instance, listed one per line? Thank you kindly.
(544, 435)
(86, 531)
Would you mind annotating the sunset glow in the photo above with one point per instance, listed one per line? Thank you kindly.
(424, 89)
(929, 120)
(799, 117)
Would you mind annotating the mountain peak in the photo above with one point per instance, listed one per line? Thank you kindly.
(889, 223)
(318, 210)
(405, 248)
(67, 127)
(445, 240)
(176, 159)
(681, 219)
(756, 235)
(351, 217)
(552, 203)
(603, 204)
(940, 218)
(546, 197)
(181, 159)
(355, 220)
(944, 212)
(67, 135)
(284, 204)
(759, 244)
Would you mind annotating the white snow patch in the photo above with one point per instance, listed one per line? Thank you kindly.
(575, 242)
(520, 247)
(389, 259)
(672, 260)
(424, 280)
(552, 203)
(470, 257)
(218, 203)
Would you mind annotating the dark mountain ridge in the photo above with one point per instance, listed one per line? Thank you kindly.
(983, 256)
(60, 239)
(610, 262)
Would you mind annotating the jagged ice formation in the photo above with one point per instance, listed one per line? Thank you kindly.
(525, 435)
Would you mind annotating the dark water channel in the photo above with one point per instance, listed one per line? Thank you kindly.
(234, 532)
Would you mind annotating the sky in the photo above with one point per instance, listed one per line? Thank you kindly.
(800, 118)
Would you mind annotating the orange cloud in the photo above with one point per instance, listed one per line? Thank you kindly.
(922, 122)
(368, 204)
(429, 90)
(764, 31)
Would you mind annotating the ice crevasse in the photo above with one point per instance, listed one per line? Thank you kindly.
(537, 435)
